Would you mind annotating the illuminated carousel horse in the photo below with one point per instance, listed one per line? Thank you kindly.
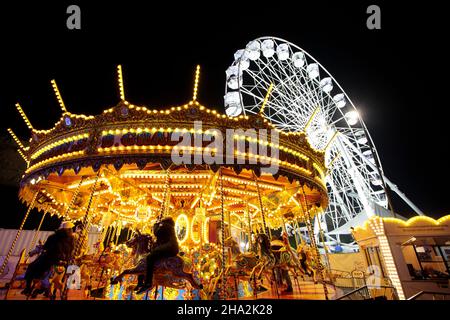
(287, 258)
(240, 261)
(274, 260)
(209, 262)
(243, 265)
(174, 272)
(105, 265)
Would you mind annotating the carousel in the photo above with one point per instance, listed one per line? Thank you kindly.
(119, 172)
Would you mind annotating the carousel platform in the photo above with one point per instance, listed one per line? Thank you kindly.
(306, 290)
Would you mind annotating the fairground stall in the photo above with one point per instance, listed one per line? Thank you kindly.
(413, 254)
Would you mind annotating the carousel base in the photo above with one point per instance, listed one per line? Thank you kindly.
(304, 290)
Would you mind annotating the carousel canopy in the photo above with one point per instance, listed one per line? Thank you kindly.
(121, 163)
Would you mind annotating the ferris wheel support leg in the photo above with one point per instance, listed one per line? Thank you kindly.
(403, 196)
(388, 182)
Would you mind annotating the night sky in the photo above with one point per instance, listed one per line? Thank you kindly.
(393, 75)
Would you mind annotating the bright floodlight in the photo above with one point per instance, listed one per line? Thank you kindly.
(313, 70)
(339, 99)
(242, 58)
(283, 51)
(267, 47)
(352, 117)
(298, 59)
(233, 106)
(326, 84)
(253, 48)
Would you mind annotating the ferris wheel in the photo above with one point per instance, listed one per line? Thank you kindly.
(301, 95)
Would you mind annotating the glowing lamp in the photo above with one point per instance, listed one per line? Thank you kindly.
(313, 70)
(267, 47)
(298, 59)
(326, 84)
(339, 100)
(352, 117)
(283, 51)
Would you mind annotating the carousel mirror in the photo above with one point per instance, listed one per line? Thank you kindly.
(182, 228)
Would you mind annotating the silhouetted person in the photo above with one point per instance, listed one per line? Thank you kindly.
(57, 249)
(166, 246)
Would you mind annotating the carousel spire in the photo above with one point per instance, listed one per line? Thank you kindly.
(24, 116)
(19, 143)
(58, 96)
(197, 77)
(120, 81)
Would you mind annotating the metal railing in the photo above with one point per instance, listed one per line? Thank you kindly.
(430, 295)
(371, 293)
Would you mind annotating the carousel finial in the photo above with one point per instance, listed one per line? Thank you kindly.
(58, 96)
(266, 98)
(197, 77)
(24, 116)
(120, 80)
(13, 135)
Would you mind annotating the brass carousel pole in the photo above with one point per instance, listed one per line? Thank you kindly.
(249, 227)
(261, 205)
(86, 220)
(36, 233)
(164, 204)
(74, 198)
(5, 262)
(314, 244)
(222, 287)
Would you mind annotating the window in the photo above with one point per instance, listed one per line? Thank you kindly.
(427, 259)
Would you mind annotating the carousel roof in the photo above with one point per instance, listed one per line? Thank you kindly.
(126, 150)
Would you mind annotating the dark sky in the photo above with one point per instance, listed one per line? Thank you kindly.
(395, 76)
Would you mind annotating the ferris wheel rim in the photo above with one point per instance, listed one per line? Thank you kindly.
(354, 179)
